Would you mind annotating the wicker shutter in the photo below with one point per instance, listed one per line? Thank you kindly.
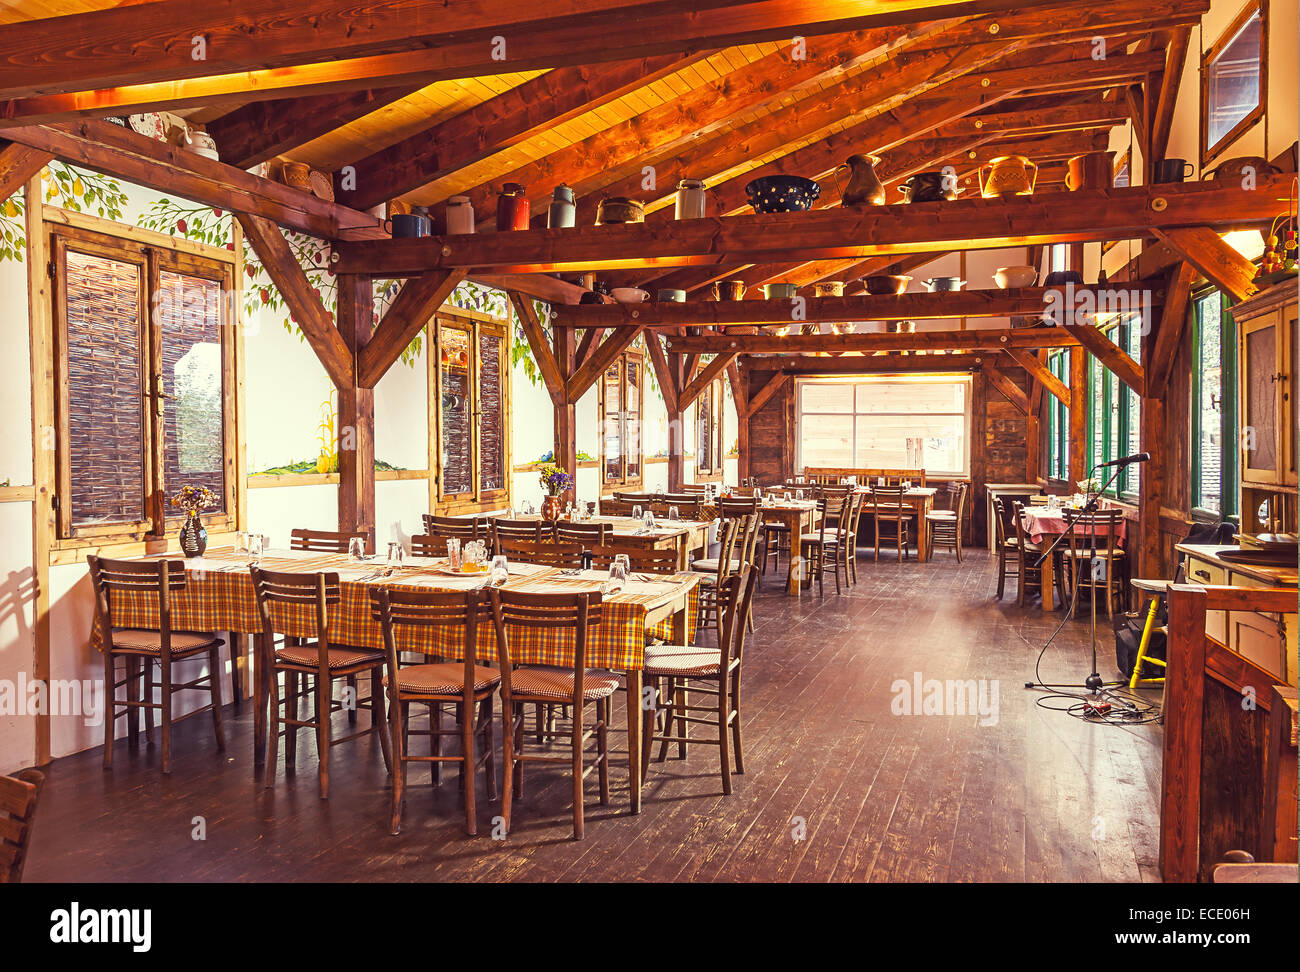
(632, 425)
(492, 413)
(105, 475)
(456, 433)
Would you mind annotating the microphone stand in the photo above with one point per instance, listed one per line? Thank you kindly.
(1094, 682)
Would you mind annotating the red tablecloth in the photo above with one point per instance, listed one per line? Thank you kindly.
(1044, 521)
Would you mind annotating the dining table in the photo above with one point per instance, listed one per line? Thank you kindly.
(797, 516)
(921, 501)
(1043, 525)
(683, 536)
(219, 596)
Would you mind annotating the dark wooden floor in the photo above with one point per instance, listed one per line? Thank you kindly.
(1039, 796)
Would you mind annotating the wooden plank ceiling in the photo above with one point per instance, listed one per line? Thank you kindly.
(711, 89)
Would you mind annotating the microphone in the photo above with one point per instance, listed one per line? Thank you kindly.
(1136, 457)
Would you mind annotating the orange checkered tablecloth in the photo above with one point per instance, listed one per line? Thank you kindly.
(219, 597)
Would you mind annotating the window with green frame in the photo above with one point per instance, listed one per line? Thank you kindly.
(1214, 406)
(1114, 415)
(1058, 420)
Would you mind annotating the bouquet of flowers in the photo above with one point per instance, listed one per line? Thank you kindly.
(554, 480)
(1089, 486)
(192, 499)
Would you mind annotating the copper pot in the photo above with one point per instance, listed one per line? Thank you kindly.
(731, 290)
(1091, 170)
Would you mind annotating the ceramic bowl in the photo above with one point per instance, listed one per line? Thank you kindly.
(1059, 278)
(944, 283)
(885, 283)
(782, 194)
(1017, 276)
(629, 295)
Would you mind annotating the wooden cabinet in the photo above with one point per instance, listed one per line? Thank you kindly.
(1266, 356)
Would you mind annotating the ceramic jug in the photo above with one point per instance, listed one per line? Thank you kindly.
(1008, 175)
(1091, 170)
(865, 187)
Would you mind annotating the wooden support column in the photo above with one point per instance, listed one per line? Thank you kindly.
(356, 447)
(1150, 551)
(1078, 445)
(666, 372)
(566, 425)
(740, 395)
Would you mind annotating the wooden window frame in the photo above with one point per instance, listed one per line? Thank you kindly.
(1114, 397)
(1058, 420)
(717, 403)
(476, 499)
(1228, 477)
(153, 257)
(608, 485)
(1211, 152)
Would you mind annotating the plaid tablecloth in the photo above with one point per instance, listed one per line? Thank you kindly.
(219, 597)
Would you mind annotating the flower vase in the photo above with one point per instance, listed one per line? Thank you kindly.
(551, 507)
(193, 536)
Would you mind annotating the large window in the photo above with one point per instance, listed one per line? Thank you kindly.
(470, 410)
(620, 421)
(709, 449)
(890, 422)
(1234, 77)
(1058, 421)
(145, 391)
(1114, 415)
(1214, 404)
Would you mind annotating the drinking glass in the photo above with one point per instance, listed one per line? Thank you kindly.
(907, 484)
(396, 554)
(356, 549)
(500, 570)
(591, 510)
(528, 508)
(568, 511)
(787, 496)
(636, 512)
(649, 520)
(255, 547)
(758, 492)
(674, 513)
(617, 577)
(798, 495)
(453, 553)
(624, 562)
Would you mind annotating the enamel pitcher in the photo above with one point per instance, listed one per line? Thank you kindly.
(1008, 175)
(865, 187)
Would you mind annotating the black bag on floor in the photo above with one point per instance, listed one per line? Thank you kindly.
(1128, 638)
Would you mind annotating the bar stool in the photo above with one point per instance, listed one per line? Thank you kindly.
(1158, 589)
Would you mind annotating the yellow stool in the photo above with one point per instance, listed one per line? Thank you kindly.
(1157, 589)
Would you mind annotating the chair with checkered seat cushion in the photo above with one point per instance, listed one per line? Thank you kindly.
(834, 540)
(155, 582)
(520, 615)
(286, 602)
(675, 671)
(463, 683)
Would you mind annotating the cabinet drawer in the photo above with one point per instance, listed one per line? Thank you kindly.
(1210, 575)
(1258, 638)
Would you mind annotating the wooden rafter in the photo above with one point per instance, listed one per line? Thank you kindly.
(124, 154)
(538, 342)
(860, 364)
(590, 339)
(1086, 215)
(1005, 386)
(1030, 361)
(600, 359)
(1111, 355)
(992, 339)
(309, 313)
(18, 163)
(1169, 331)
(663, 371)
(1204, 249)
(412, 308)
(764, 394)
(1171, 79)
(696, 386)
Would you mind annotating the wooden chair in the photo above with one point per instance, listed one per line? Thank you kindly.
(945, 525)
(325, 541)
(687, 668)
(587, 534)
(817, 545)
(720, 568)
(529, 531)
(19, 796)
(738, 506)
(577, 686)
(1026, 555)
(549, 554)
(887, 507)
(687, 509)
(155, 581)
(696, 489)
(461, 528)
(642, 560)
(613, 507)
(428, 545)
(640, 499)
(1100, 529)
(281, 596)
(461, 682)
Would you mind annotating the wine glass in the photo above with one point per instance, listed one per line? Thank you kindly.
(500, 570)
(356, 549)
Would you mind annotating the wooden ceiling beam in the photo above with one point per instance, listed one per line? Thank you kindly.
(539, 343)
(412, 308)
(1163, 118)
(262, 130)
(764, 394)
(600, 359)
(663, 371)
(993, 339)
(1030, 361)
(1007, 388)
(1086, 215)
(1111, 355)
(857, 364)
(542, 286)
(18, 163)
(533, 107)
(1204, 249)
(696, 386)
(315, 322)
(124, 154)
(1168, 337)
